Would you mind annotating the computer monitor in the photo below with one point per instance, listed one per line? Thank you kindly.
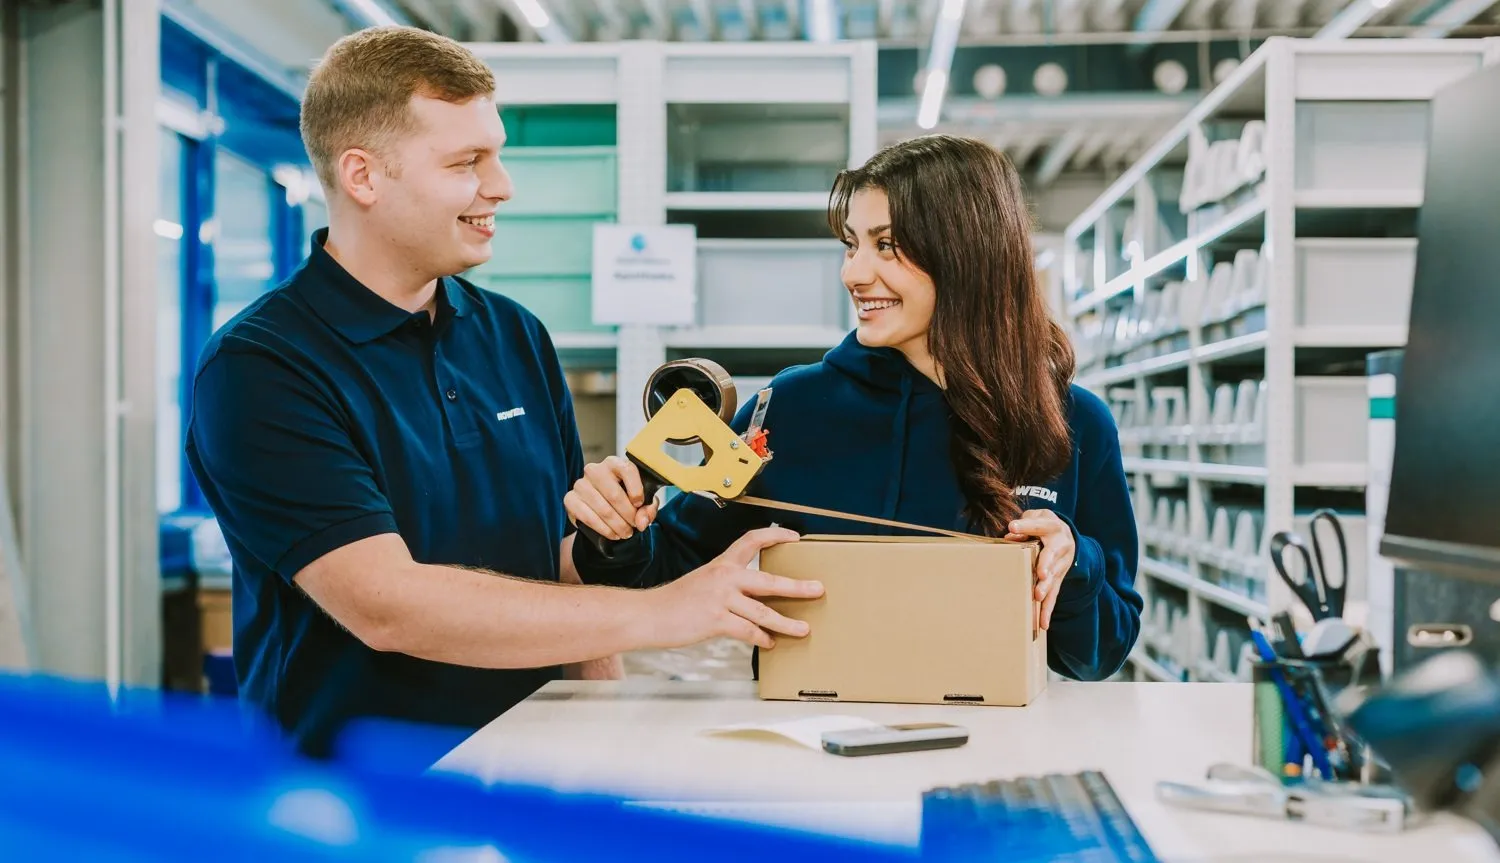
(1444, 508)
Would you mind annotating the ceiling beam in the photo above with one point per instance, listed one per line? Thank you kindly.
(661, 22)
(1091, 149)
(1058, 155)
(751, 13)
(945, 32)
(429, 14)
(482, 17)
(821, 20)
(984, 20)
(370, 13)
(794, 14)
(886, 15)
(536, 17)
(1450, 15)
(616, 22)
(1154, 17)
(1063, 110)
(703, 17)
(1354, 16)
(1110, 14)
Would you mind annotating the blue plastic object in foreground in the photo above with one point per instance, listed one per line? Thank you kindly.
(147, 775)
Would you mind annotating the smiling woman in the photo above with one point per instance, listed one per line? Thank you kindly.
(949, 406)
(951, 212)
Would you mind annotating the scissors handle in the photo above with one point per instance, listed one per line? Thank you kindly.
(1333, 592)
(1306, 589)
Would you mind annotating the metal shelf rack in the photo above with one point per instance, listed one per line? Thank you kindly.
(741, 141)
(1204, 293)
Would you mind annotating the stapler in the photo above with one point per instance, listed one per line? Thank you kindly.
(686, 402)
(691, 401)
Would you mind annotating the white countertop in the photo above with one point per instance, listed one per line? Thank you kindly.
(644, 739)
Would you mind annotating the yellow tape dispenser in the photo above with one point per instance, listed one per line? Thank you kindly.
(691, 401)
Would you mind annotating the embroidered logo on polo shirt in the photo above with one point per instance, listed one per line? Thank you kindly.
(1037, 491)
(510, 414)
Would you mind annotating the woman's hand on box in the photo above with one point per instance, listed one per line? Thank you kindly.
(610, 499)
(1056, 557)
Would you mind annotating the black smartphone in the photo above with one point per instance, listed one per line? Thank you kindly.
(895, 738)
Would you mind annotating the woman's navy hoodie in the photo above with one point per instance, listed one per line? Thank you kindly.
(864, 432)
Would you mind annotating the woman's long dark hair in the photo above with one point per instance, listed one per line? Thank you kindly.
(959, 213)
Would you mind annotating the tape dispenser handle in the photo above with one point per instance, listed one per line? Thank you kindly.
(650, 485)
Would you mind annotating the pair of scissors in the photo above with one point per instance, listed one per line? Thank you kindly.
(1314, 588)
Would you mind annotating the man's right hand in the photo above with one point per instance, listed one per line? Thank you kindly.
(720, 598)
(610, 499)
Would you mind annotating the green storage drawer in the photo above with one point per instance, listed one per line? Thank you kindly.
(564, 305)
(560, 125)
(543, 247)
(561, 181)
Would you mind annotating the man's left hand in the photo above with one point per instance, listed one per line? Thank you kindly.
(1056, 557)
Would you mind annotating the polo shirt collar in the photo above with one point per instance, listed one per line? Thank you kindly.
(358, 313)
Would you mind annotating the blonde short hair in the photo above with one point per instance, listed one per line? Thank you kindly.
(359, 95)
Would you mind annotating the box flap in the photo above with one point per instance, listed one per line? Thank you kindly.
(856, 537)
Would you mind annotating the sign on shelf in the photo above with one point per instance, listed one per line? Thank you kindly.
(645, 275)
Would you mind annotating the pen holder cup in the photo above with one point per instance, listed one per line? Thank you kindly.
(1283, 730)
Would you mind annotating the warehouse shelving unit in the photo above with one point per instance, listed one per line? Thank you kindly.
(1223, 293)
(740, 141)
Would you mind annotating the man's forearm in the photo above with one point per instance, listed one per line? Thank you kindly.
(481, 619)
(606, 667)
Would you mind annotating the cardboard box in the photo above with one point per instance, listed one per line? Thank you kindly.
(909, 620)
(216, 615)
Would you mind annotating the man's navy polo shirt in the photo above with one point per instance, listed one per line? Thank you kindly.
(322, 415)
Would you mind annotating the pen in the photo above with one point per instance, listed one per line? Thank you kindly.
(1294, 710)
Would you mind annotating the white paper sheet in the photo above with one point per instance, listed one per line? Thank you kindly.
(807, 731)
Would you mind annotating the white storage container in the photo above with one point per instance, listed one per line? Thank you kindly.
(771, 283)
(1361, 146)
(1354, 282)
(1331, 418)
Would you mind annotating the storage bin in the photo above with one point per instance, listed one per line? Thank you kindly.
(1361, 146)
(1331, 415)
(582, 125)
(772, 283)
(756, 148)
(1354, 282)
(543, 247)
(556, 181)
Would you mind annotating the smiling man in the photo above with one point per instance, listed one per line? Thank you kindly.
(387, 447)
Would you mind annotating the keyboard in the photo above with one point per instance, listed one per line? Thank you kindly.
(1072, 817)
